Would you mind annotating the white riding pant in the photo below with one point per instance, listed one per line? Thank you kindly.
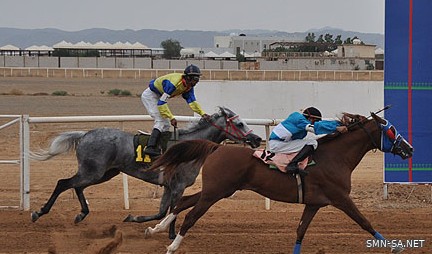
(292, 146)
(150, 99)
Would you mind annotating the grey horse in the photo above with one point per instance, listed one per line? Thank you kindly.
(103, 153)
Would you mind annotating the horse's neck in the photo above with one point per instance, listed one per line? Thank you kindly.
(349, 149)
(209, 133)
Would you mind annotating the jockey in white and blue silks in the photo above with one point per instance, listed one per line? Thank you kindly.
(289, 136)
(155, 99)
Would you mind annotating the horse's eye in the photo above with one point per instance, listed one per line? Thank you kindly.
(240, 125)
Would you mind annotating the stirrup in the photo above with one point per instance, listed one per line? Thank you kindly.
(293, 170)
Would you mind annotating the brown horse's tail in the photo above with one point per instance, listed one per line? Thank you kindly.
(182, 152)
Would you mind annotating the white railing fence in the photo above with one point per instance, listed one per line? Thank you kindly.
(22, 160)
(26, 120)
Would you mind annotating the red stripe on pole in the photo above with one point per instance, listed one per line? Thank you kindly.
(410, 49)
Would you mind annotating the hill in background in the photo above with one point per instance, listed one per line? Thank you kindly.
(24, 38)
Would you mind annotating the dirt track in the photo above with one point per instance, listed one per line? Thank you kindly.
(239, 224)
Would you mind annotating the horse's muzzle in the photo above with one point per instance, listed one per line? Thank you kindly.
(253, 140)
(403, 149)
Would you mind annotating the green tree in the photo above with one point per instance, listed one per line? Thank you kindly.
(348, 41)
(310, 37)
(338, 40)
(320, 39)
(171, 49)
(328, 38)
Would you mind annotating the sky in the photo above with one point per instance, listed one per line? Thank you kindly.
(203, 15)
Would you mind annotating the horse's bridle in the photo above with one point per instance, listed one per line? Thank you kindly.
(231, 129)
(360, 123)
(396, 141)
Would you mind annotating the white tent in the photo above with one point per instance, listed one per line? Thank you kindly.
(138, 45)
(102, 45)
(227, 54)
(211, 54)
(82, 45)
(63, 44)
(39, 48)
(9, 50)
(9, 47)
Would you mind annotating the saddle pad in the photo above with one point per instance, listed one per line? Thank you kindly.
(279, 160)
(140, 142)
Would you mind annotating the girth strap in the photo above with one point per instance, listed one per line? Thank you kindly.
(299, 188)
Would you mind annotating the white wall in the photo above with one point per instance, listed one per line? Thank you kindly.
(277, 99)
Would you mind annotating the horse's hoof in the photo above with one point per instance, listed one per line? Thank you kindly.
(34, 216)
(147, 233)
(79, 218)
(129, 218)
(397, 250)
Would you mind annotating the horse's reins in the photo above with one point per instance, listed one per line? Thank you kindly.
(360, 123)
(237, 133)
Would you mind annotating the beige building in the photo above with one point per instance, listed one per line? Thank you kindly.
(356, 51)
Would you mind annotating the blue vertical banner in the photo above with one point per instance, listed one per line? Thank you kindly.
(408, 86)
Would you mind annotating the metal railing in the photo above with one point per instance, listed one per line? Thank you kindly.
(21, 161)
(25, 137)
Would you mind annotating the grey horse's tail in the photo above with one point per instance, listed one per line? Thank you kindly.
(63, 143)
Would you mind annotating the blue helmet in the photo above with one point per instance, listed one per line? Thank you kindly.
(192, 70)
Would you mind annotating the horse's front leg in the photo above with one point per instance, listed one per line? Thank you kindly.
(308, 214)
(161, 226)
(183, 204)
(347, 206)
(163, 209)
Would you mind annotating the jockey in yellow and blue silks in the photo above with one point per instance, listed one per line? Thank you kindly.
(289, 135)
(155, 99)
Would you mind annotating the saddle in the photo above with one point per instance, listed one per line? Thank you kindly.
(140, 143)
(279, 160)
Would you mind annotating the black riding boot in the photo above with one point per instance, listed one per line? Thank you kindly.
(292, 167)
(152, 148)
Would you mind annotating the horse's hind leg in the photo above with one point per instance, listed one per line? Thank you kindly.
(307, 216)
(62, 185)
(186, 202)
(84, 207)
(80, 193)
(78, 183)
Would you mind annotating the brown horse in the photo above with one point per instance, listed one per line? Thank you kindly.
(227, 169)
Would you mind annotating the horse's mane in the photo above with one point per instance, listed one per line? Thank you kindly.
(352, 121)
(195, 126)
(202, 123)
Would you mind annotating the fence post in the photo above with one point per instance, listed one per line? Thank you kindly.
(125, 182)
(24, 163)
(267, 131)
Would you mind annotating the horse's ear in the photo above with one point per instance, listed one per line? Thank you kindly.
(377, 118)
(346, 118)
(222, 110)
